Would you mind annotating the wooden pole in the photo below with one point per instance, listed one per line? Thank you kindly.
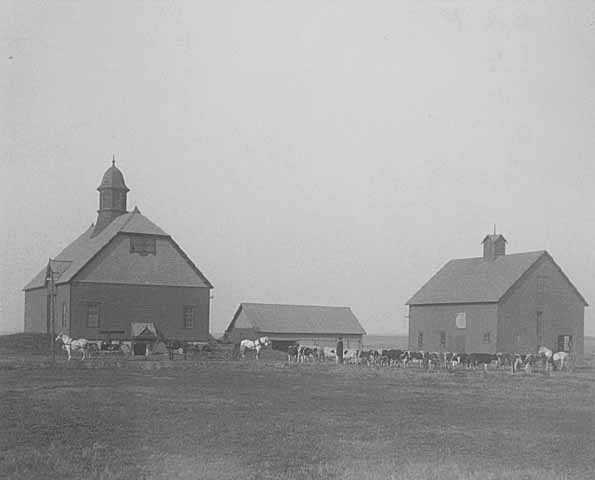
(53, 310)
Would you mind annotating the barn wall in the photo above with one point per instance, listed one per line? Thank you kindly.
(35, 320)
(116, 264)
(120, 305)
(433, 319)
(36, 310)
(62, 309)
(562, 312)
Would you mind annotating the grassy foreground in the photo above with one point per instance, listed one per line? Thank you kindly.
(248, 420)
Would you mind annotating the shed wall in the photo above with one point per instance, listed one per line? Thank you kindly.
(319, 340)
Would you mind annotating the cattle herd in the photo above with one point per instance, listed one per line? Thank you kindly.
(429, 360)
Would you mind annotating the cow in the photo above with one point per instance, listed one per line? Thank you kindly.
(306, 353)
(462, 359)
(368, 356)
(504, 359)
(350, 355)
(328, 353)
(449, 360)
(411, 356)
(477, 359)
(431, 360)
(391, 357)
(292, 352)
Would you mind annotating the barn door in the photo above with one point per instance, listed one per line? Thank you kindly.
(460, 344)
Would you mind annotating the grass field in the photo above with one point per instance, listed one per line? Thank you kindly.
(249, 420)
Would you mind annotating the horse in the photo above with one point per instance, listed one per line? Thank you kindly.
(547, 356)
(256, 345)
(73, 345)
(560, 359)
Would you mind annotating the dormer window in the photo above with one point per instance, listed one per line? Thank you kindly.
(143, 245)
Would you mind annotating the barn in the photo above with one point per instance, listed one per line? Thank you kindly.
(122, 271)
(304, 324)
(498, 302)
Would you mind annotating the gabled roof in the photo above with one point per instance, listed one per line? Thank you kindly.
(475, 280)
(85, 247)
(273, 318)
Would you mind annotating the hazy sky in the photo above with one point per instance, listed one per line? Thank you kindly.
(324, 152)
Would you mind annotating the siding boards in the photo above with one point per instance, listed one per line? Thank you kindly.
(562, 312)
(431, 320)
(116, 264)
(120, 305)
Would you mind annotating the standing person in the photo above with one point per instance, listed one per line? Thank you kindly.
(339, 350)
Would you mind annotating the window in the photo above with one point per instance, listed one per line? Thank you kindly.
(486, 337)
(420, 339)
(443, 339)
(541, 282)
(143, 245)
(539, 328)
(188, 317)
(564, 343)
(93, 315)
(64, 314)
(461, 320)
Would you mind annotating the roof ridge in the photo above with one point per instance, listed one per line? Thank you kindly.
(500, 256)
(294, 305)
(126, 222)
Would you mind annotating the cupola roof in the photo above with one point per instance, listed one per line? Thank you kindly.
(113, 178)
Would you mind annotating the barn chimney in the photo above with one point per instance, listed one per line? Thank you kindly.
(494, 245)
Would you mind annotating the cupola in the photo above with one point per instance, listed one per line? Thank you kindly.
(112, 197)
(494, 245)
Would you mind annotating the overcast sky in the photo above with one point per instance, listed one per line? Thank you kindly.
(311, 152)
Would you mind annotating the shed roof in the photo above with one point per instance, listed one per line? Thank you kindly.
(475, 280)
(274, 318)
(86, 246)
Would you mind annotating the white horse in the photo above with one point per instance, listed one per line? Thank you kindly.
(257, 345)
(71, 345)
(546, 354)
(561, 359)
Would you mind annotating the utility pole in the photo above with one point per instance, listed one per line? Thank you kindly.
(52, 291)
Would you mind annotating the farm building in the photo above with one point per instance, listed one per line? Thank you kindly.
(498, 303)
(304, 324)
(122, 271)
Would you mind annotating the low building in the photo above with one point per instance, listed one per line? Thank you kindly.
(498, 303)
(304, 324)
(123, 270)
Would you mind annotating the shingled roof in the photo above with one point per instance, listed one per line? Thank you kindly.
(76, 255)
(475, 280)
(273, 318)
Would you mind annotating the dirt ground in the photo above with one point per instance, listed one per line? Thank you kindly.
(252, 420)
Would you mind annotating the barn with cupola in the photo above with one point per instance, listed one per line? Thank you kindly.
(123, 277)
(498, 302)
